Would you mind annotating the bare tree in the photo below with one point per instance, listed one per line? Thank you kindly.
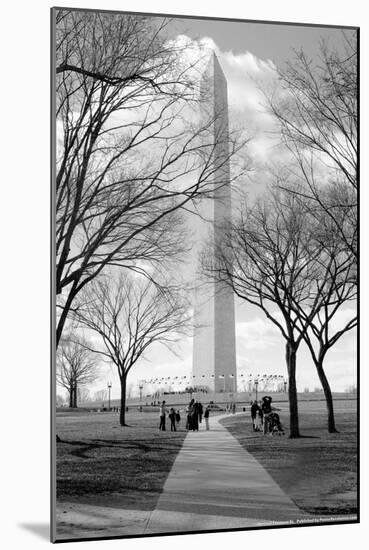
(132, 152)
(279, 257)
(76, 366)
(318, 121)
(317, 115)
(129, 315)
(268, 258)
(335, 285)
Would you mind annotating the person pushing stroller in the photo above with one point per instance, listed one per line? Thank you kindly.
(271, 421)
(266, 408)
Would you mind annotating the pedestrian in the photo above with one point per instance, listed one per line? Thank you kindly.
(233, 408)
(200, 411)
(178, 417)
(258, 421)
(189, 412)
(206, 416)
(254, 412)
(172, 418)
(261, 414)
(188, 418)
(266, 407)
(162, 413)
(195, 416)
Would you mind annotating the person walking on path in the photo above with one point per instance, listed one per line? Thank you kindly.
(195, 416)
(172, 418)
(162, 413)
(258, 422)
(206, 416)
(178, 417)
(200, 411)
(266, 407)
(189, 423)
(254, 412)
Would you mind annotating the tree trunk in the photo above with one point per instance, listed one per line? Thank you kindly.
(122, 417)
(64, 314)
(75, 396)
(71, 397)
(291, 351)
(328, 396)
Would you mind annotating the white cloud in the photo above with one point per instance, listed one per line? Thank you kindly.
(256, 334)
(341, 319)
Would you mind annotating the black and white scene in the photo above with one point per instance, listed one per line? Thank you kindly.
(205, 209)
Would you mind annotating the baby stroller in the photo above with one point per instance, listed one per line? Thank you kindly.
(275, 425)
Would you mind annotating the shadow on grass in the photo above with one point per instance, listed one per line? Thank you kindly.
(107, 443)
(103, 444)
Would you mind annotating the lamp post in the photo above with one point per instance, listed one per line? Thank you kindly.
(256, 388)
(140, 388)
(109, 388)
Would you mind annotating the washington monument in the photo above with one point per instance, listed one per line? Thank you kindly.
(214, 343)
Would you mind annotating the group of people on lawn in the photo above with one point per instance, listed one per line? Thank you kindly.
(260, 413)
(194, 414)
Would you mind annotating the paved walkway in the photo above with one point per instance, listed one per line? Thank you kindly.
(214, 484)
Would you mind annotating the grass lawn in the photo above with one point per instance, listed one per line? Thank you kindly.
(101, 463)
(318, 471)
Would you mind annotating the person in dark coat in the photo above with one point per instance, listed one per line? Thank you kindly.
(200, 411)
(162, 413)
(195, 416)
(189, 412)
(254, 411)
(266, 407)
(172, 418)
(206, 416)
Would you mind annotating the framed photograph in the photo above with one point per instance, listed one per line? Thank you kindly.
(205, 274)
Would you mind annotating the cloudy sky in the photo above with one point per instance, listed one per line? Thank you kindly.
(249, 54)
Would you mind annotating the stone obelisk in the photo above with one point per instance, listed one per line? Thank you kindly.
(214, 343)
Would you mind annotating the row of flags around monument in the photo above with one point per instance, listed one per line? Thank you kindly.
(181, 379)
